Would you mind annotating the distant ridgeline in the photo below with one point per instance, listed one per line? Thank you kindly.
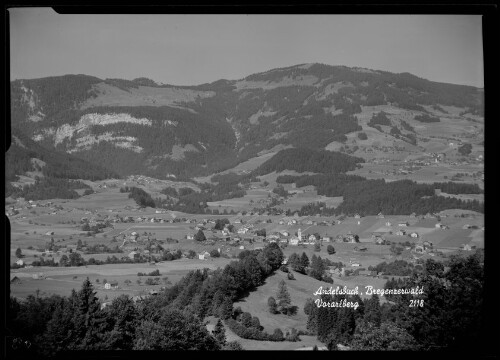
(189, 131)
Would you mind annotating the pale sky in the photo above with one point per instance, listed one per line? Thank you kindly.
(196, 49)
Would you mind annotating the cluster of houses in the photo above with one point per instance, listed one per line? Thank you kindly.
(424, 247)
(30, 204)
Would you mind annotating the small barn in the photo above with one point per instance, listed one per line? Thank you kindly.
(14, 279)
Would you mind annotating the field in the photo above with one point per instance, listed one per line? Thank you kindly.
(61, 281)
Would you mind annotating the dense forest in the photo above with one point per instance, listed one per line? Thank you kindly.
(302, 160)
(171, 320)
(48, 188)
(403, 197)
(57, 164)
(380, 119)
(427, 118)
(369, 197)
(227, 186)
(142, 198)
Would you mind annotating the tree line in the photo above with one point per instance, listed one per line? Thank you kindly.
(303, 160)
(369, 197)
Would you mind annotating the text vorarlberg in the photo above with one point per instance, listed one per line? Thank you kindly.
(369, 290)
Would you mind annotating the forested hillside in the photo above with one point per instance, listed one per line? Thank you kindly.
(303, 160)
(141, 127)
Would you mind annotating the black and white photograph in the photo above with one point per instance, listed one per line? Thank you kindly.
(236, 182)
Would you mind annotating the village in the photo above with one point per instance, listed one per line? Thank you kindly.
(138, 238)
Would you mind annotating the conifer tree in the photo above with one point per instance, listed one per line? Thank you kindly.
(219, 333)
(304, 261)
(373, 313)
(283, 297)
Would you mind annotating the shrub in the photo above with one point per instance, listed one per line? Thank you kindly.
(362, 136)
(293, 335)
(277, 335)
(214, 253)
(273, 306)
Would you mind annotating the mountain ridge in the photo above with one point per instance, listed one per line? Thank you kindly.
(141, 126)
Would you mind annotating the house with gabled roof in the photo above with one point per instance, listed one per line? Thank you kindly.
(14, 279)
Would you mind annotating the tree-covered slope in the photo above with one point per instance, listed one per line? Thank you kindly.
(139, 126)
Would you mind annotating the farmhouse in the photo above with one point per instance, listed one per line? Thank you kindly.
(139, 298)
(20, 262)
(380, 215)
(388, 224)
(403, 224)
(427, 245)
(414, 235)
(468, 247)
(294, 241)
(14, 279)
(204, 255)
(133, 255)
(377, 235)
(351, 238)
(111, 285)
(49, 233)
(401, 232)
